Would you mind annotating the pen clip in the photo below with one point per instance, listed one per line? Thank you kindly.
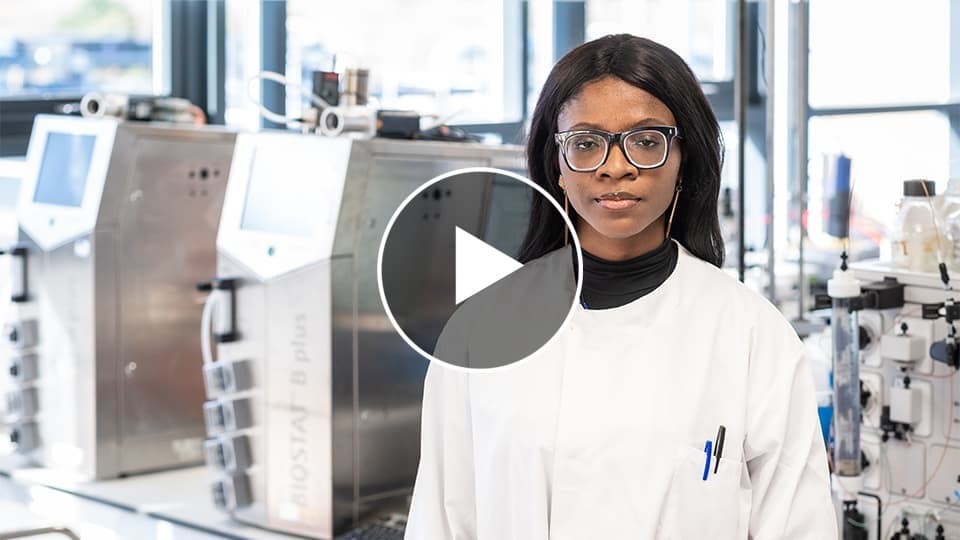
(706, 466)
(718, 448)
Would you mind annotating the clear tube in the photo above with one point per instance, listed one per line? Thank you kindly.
(846, 388)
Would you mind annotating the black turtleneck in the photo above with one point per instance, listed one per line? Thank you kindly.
(610, 284)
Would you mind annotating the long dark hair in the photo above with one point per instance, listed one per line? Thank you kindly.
(661, 72)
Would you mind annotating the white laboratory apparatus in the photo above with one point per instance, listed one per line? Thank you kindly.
(908, 479)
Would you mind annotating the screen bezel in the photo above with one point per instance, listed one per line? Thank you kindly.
(260, 157)
(271, 254)
(51, 224)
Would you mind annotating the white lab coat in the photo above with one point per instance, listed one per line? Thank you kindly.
(601, 435)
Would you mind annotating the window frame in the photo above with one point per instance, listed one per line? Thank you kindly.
(180, 27)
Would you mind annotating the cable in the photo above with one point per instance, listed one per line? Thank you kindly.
(889, 475)
(884, 458)
(280, 79)
(264, 111)
(879, 510)
(947, 286)
(947, 376)
(857, 524)
(942, 454)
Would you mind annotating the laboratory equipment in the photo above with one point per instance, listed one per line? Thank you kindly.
(910, 421)
(949, 214)
(950, 199)
(335, 121)
(117, 223)
(326, 86)
(355, 86)
(837, 195)
(314, 400)
(844, 290)
(845, 299)
(914, 237)
(143, 108)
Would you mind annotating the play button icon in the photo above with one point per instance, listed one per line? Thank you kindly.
(479, 265)
(457, 280)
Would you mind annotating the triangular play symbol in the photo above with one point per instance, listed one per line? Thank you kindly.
(479, 265)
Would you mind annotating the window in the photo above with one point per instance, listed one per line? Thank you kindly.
(876, 71)
(864, 52)
(75, 46)
(458, 60)
(450, 58)
(242, 57)
(884, 150)
(700, 31)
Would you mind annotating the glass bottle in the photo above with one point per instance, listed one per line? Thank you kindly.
(913, 239)
(950, 224)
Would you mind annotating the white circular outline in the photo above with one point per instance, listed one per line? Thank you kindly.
(414, 194)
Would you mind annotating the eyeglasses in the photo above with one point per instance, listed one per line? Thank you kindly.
(587, 150)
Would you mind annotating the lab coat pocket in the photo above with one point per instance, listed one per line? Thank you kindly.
(698, 508)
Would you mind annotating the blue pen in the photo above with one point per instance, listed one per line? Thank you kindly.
(708, 450)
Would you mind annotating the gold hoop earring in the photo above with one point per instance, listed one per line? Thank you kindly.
(673, 209)
(566, 210)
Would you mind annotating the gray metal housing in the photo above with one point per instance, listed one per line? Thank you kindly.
(335, 391)
(110, 285)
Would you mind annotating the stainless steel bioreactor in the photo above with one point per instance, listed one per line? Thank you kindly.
(314, 399)
(117, 222)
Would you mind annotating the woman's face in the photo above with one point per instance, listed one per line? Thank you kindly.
(621, 207)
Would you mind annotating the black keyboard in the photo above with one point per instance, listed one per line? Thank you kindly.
(373, 532)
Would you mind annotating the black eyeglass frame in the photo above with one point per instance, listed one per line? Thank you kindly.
(669, 133)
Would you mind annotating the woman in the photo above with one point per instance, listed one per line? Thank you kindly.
(611, 430)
